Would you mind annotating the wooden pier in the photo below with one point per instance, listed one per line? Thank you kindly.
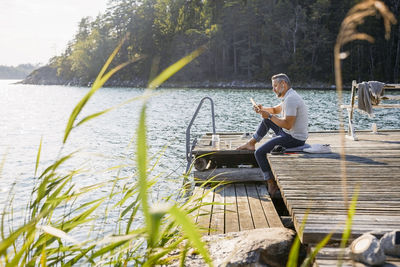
(236, 207)
(310, 184)
(244, 204)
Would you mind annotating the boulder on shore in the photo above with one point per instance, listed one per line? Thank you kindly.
(259, 247)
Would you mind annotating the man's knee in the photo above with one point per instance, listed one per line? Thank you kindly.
(267, 123)
(260, 153)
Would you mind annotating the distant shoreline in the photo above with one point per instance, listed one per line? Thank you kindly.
(245, 85)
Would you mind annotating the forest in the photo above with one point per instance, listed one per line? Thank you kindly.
(246, 40)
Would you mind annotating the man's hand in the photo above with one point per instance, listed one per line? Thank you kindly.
(265, 114)
(258, 108)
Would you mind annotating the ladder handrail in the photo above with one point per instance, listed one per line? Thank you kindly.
(188, 150)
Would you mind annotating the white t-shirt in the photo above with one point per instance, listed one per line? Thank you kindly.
(293, 105)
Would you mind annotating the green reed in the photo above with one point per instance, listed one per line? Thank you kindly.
(58, 209)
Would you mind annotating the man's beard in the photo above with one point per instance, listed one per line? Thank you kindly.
(280, 92)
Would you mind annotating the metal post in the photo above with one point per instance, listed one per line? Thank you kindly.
(188, 149)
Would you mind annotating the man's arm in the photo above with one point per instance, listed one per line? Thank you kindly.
(286, 122)
(273, 110)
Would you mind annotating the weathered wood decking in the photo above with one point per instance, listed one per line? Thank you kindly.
(329, 256)
(312, 183)
(236, 207)
(309, 183)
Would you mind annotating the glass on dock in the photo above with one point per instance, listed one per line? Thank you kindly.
(215, 141)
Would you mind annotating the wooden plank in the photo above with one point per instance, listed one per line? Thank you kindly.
(231, 209)
(230, 174)
(245, 222)
(217, 217)
(391, 86)
(268, 207)
(330, 256)
(196, 200)
(256, 208)
(204, 218)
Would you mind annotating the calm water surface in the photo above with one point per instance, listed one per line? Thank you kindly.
(29, 113)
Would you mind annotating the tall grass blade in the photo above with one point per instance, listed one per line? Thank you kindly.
(99, 82)
(95, 115)
(109, 248)
(310, 259)
(57, 233)
(81, 218)
(349, 222)
(3, 161)
(14, 235)
(38, 156)
(141, 159)
(43, 261)
(156, 215)
(156, 258)
(83, 253)
(183, 256)
(110, 59)
(349, 32)
(28, 240)
(131, 217)
(171, 70)
(295, 249)
(190, 230)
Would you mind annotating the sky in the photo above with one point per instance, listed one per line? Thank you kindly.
(33, 31)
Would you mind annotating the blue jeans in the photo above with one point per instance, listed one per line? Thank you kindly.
(282, 138)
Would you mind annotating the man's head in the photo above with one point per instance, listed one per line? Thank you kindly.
(280, 84)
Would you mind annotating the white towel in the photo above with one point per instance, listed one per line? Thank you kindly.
(318, 149)
(297, 148)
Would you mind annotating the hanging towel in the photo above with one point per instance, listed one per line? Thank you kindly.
(376, 90)
(369, 94)
(364, 99)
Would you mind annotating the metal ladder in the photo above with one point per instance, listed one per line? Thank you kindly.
(189, 148)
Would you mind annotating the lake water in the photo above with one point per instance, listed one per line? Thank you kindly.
(30, 112)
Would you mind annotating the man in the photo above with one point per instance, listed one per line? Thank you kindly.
(291, 128)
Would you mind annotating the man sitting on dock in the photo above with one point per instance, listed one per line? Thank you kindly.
(291, 128)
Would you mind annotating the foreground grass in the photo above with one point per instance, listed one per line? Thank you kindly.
(58, 211)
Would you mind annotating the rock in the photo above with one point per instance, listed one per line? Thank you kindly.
(259, 247)
(366, 249)
(390, 243)
(45, 75)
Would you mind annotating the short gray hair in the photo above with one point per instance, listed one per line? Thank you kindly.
(281, 77)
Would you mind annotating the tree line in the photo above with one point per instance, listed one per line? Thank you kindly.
(246, 40)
